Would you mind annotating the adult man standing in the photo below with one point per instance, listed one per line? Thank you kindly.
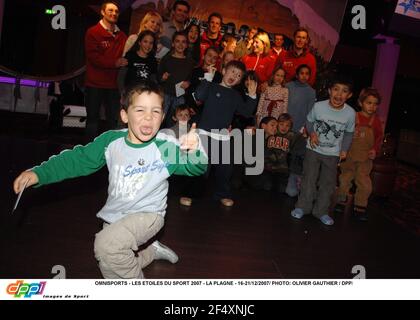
(277, 47)
(212, 37)
(179, 15)
(104, 44)
(298, 55)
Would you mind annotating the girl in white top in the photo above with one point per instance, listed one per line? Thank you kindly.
(273, 101)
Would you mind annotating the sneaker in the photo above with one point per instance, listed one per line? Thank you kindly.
(297, 213)
(327, 220)
(227, 202)
(185, 201)
(164, 253)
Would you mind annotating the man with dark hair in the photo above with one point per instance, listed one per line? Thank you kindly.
(105, 3)
(104, 44)
(299, 54)
(179, 16)
(277, 49)
(212, 37)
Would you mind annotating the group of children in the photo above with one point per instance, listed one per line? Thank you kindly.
(304, 141)
(339, 137)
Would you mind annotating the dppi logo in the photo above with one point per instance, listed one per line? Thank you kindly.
(27, 290)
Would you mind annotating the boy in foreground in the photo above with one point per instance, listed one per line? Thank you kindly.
(139, 161)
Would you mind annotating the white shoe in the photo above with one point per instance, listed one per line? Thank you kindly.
(227, 202)
(164, 253)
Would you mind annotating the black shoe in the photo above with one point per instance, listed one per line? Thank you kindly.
(360, 213)
(363, 217)
(340, 208)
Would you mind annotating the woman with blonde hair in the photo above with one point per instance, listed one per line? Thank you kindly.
(151, 21)
(259, 60)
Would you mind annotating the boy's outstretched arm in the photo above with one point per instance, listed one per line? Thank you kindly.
(186, 156)
(190, 141)
(79, 161)
(28, 178)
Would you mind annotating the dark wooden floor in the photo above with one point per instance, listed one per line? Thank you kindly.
(257, 238)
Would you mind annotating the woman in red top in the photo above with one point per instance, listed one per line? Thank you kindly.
(260, 61)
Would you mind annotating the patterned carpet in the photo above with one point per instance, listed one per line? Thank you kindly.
(403, 206)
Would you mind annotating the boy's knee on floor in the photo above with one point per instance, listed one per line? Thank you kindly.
(107, 244)
(101, 247)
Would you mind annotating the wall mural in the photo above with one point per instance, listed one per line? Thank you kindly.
(282, 16)
(235, 21)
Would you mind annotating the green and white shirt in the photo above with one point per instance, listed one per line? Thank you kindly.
(138, 173)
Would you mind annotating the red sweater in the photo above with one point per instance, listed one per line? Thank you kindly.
(377, 129)
(273, 54)
(205, 43)
(263, 65)
(102, 51)
(290, 61)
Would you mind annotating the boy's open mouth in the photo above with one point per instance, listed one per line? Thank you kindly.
(146, 130)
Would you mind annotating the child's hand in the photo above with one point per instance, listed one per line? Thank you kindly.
(313, 140)
(372, 154)
(165, 76)
(343, 155)
(263, 86)
(20, 181)
(252, 87)
(211, 69)
(304, 132)
(185, 84)
(121, 62)
(190, 140)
